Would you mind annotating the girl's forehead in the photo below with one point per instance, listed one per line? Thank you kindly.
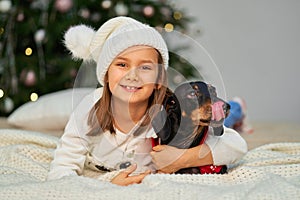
(139, 49)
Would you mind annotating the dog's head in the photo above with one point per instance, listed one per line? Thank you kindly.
(196, 101)
(188, 108)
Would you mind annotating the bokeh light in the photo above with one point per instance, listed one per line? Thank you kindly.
(169, 27)
(28, 51)
(1, 93)
(177, 15)
(34, 96)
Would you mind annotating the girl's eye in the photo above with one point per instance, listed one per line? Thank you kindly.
(146, 67)
(121, 64)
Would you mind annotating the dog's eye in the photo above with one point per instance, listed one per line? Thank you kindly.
(192, 95)
(172, 102)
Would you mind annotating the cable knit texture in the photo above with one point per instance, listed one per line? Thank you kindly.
(268, 172)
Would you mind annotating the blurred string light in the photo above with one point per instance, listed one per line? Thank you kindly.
(34, 96)
(177, 15)
(1, 93)
(169, 27)
(28, 51)
(1, 30)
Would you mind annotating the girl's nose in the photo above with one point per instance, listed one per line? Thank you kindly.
(132, 75)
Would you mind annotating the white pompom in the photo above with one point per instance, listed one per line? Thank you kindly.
(78, 39)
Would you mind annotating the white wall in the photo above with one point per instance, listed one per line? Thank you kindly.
(256, 45)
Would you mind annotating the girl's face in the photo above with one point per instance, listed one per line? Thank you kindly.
(133, 73)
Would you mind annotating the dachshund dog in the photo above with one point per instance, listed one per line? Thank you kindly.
(187, 114)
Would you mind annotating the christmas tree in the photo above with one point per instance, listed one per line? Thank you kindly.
(33, 60)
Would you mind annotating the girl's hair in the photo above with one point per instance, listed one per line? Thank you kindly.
(101, 117)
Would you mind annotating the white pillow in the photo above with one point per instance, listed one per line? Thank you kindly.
(50, 111)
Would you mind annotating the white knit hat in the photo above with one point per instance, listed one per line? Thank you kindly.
(112, 38)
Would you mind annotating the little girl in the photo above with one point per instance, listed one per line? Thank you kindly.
(110, 130)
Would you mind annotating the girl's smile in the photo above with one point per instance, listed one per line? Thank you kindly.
(132, 76)
(130, 88)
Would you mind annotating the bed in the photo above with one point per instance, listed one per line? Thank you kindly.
(270, 170)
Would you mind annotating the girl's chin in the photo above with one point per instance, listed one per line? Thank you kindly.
(131, 99)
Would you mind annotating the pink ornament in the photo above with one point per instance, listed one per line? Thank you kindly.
(148, 11)
(30, 78)
(166, 11)
(84, 13)
(63, 5)
(106, 4)
(73, 73)
(20, 17)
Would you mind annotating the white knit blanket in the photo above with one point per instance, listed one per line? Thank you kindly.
(268, 172)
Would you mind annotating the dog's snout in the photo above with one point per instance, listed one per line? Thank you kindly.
(226, 108)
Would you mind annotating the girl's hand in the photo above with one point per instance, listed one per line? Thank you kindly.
(167, 158)
(124, 178)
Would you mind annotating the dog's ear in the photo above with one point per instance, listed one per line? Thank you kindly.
(170, 103)
(164, 123)
(212, 92)
(174, 116)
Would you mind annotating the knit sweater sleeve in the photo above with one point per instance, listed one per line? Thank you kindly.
(70, 154)
(227, 148)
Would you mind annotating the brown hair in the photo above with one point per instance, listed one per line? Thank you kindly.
(101, 118)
